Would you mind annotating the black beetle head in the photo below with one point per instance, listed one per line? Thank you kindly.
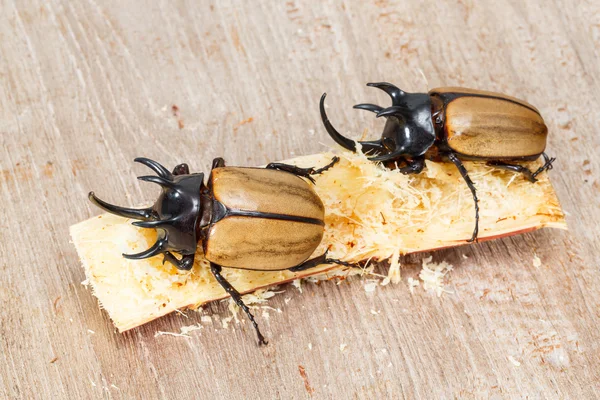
(408, 130)
(175, 214)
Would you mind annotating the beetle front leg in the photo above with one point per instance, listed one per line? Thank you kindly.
(303, 172)
(465, 175)
(413, 166)
(186, 263)
(237, 298)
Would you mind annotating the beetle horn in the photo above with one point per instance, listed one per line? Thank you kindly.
(369, 107)
(389, 143)
(156, 248)
(152, 224)
(388, 156)
(394, 91)
(371, 146)
(144, 213)
(335, 135)
(156, 179)
(395, 111)
(155, 166)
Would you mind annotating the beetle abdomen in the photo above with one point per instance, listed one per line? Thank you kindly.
(271, 220)
(483, 124)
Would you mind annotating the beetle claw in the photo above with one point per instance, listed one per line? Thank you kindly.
(546, 167)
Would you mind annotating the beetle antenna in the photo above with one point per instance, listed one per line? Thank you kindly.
(369, 107)
(157, 247)
(394, 91)
(144, 213)
(157, 179)
(155, 166)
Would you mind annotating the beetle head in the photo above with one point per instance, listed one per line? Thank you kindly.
(408, 130)
(175, 214)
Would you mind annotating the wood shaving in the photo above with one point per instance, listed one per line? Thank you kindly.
(433, 275)
(536, 261)
(514, 361)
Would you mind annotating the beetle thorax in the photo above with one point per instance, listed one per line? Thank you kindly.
(409, 129)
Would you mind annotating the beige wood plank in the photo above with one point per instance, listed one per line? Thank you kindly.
(87, 86)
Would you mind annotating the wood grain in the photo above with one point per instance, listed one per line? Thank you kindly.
(87, 86)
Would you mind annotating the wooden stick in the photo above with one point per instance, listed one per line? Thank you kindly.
(371, 213)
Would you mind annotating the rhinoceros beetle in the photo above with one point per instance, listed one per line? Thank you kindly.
(453, 124)
(263, 219)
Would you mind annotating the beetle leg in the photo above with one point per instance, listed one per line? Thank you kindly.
(514, 168)
(322, 259)
(547, 165)
(414, 166)
(334, 161)
(303, 172)
(530, 176)
(237, 298)
(465, 175)
(186, 263)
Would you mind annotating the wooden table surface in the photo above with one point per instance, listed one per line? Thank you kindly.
(87, 86)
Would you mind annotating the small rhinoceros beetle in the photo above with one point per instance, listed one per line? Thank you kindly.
(264, 219)
(453, 124)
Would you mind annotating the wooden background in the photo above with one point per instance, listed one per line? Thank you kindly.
(89, 85)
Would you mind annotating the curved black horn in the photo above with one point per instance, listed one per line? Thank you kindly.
(156, 248)
(335, 135)
(395, 111)
(144, 213)
(388, 142)
(394, 91)
(371, 146)
(152, 224)
(155, 166)
(387, 157)
(156, 179)
(369, 107)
